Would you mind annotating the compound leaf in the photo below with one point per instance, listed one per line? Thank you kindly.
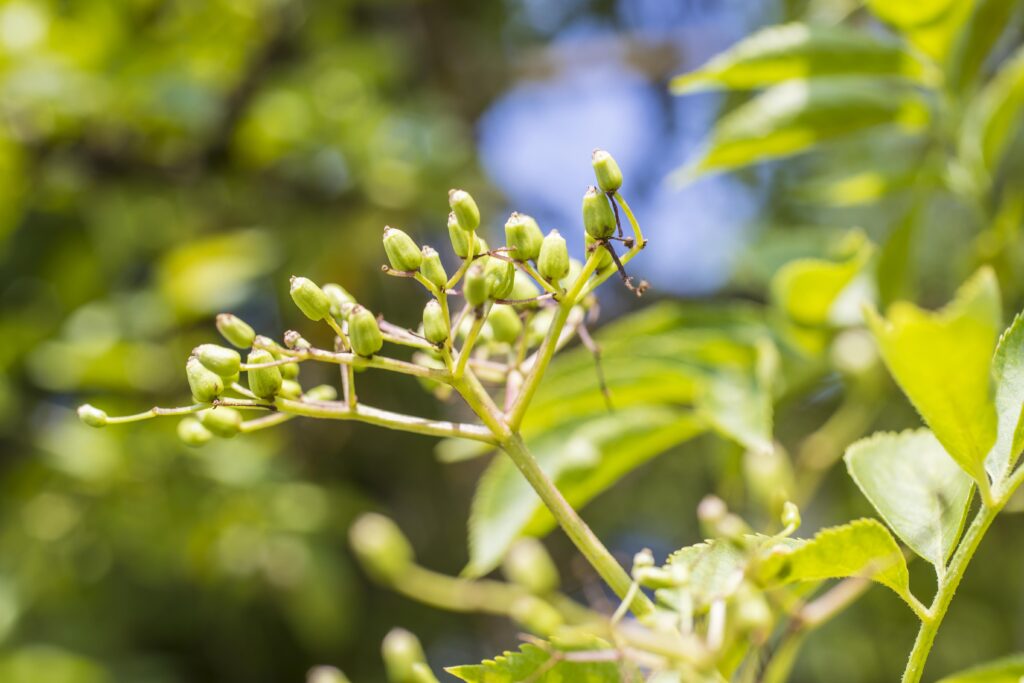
(553, 663)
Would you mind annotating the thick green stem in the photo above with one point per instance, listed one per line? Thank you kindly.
(947, 589)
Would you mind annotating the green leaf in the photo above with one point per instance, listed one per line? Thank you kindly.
(1005, 670)
(992, 119)
(932, 26)
(987, 22)
(917, 488)
(797, 115)
(806, 289)
(790, 51)
(861, 548)
(941, 360)
(534, 663)
(715, 569)
(1008, 373)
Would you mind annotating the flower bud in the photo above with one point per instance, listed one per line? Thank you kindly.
(290, 371)
(506, 325)
(220, 359)
(528, 564)
(524, 236)
(501, 275)
(326, 674)
(341, 301)
(92, 416)
(604, 256)
(523, 287)
(221, 421)
(402, 251)
(790, 515)
(192, 432)
(432, 269)
(436, 325)
(553, 262)
(294, 340)
(322, 392)
(467, 215)
(382, 548)
(401, 650)
(475, 287)
(460, 239)
(421, 673)
(236, 331)
(606, 170)
(264, 382)
(536, 615)
(310, 299)
(206, 385)
(289, 388)
(643, 560)
(598, 218)
(364, 333)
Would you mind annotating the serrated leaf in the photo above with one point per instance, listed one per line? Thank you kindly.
(916, 487)
(790, 51)
(534, 663)
(862, 548)
(797, 115)
(807, 289)
(992, 119)
(941, 361)
(715, 569)
(1005, 670)
(1008, 374)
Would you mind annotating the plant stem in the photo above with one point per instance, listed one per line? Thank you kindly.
(947, 588)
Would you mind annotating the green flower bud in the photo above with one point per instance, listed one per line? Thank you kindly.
(381, 547)
(401, 650)
(290, 388)
(290, 371)
(643, 560)
(598, 218)
(432, 269)
(220, 359)
(421, 673)
(523, 287)
(475, 287)
(206, 385)
(467, 215)
(402, 251)
(506, 325)
(524, 235)
(501, 276)
(604, 256)
(222, 421)
(609, 176)
(790, 515)
(364, 333)
(264, 382)
(536, 615)
(233, 379)
(235, 330)
(294, 340)
(310, 299)
(92, 416)
(341, 301)
(436, 325)
(326, 674)
(460, 239)
(528, 564)
(322, 392)
(553, 262)
(192, 432)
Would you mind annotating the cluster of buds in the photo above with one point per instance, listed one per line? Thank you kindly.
(519, 303)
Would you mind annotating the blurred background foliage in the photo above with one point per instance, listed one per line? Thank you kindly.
(164, 160)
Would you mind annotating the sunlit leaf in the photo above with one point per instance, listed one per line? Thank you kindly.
(941, 360)
(930, 25)
(1008, 373)
(1005, 670)
(992, 119)
(553, 663)
(797, 115)
(916, 487)
(987, 22)
(791, 51)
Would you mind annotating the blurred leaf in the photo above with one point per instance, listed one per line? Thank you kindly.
(1005, 670)
(37, 663)
(1008, 373)
(895, 265)
(861, 548)
(942, 360)
(806, 289)
(533, 663)
(916, 487)
(992, 119)
(987, 22)
(793, 117)
(715, 569)
(931, 25)
(798, 51)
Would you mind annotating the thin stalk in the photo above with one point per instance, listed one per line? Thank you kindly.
(378, 362)
(638, 244)
(467, 347)
(157, 412)
(470, 257)
(532, 272)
